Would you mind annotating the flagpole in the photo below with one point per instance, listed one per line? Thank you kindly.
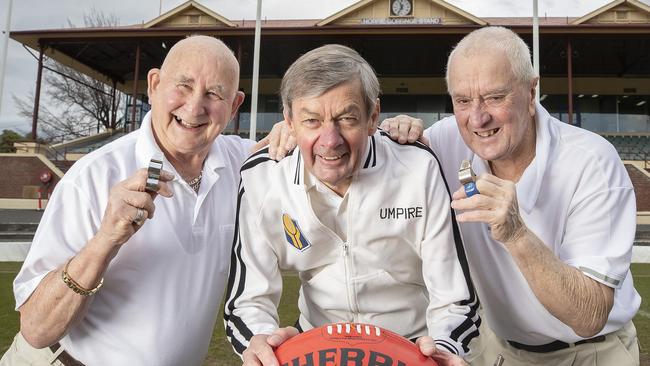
(3, 55)
(536, 47)
(256, 72)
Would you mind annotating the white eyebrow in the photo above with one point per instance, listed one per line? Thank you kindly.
(189, 80)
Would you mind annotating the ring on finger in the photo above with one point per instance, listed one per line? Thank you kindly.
(140, 216)
(470, 189)
(153, 175)
(467, 178)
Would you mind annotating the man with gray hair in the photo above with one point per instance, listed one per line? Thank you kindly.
(365, 249)
(549, 224)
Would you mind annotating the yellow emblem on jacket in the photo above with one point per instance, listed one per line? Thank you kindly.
(293, 234)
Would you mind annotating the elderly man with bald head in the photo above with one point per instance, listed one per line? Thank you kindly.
(117, 275)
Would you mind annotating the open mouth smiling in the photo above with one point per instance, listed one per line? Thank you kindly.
(331, 158)
(487, 133)
(185, 124)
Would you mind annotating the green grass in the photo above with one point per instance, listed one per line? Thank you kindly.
(8, 317)
(220, 353)
(641, 273)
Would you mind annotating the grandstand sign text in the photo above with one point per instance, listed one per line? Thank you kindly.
(382, 21)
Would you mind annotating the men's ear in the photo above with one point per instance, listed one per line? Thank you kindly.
(533, 96)
(236, 103)
(374, 119)
(153, 79)
(288, 120)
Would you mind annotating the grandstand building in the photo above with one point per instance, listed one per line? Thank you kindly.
(595, 69)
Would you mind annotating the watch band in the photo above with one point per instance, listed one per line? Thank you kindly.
(75, 286)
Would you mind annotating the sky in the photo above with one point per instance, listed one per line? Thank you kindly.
(21, 67)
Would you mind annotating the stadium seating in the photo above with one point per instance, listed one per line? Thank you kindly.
(631, 146)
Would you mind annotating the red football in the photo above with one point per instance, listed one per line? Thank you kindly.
(350, 344)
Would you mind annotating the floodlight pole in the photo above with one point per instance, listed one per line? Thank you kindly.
(256, 71)
(3, 55)
(536, 47)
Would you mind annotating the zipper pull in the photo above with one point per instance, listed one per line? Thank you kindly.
(345, 249)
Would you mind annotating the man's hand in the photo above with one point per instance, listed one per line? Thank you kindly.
(404, 129)
(496, 205)
(443, 358)
(260, 348)
(126, 199)
(577, 300)
(280, 141)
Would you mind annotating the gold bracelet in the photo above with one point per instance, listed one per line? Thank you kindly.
(76, 287)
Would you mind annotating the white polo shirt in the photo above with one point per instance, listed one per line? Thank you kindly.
(162, 291)
(576, 196)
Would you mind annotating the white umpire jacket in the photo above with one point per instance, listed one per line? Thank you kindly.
(402, 267)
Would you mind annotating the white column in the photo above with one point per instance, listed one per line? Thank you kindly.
(618, 122)
(256, 71)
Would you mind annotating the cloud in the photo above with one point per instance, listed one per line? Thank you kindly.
(15, 123)
(19, 80)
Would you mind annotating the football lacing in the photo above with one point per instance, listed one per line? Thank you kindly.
(360, 328)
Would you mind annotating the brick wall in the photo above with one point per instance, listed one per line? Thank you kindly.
(18, 172)
(641, 183)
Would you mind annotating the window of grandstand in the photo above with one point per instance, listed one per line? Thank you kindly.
(603, 113)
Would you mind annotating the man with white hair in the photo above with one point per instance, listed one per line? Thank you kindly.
(549, 224)
(107, 282)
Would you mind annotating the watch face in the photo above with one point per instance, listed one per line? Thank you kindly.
(401, 8)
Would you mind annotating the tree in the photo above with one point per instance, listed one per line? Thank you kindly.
(73, 104)
(7, 139)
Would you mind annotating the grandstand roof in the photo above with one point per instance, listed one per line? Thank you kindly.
(108, 53)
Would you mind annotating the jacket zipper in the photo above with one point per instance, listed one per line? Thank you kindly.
(348, 285)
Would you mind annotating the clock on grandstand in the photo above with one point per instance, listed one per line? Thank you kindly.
(401, 8)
